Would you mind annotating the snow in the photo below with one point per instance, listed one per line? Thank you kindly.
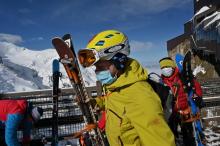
(212, 127)
(218, 24)
(199, 69)
(89, 76)
(215, 17)
(22, 69)
(26, 70)
(203, 9)
(209, 20)
(212, 138)
(9, 81)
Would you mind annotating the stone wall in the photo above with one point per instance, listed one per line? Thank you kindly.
(198, 59)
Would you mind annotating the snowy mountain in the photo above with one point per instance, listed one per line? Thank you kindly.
(22, 69)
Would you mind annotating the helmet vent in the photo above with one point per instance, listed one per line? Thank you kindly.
(109, 36)
(117, 33)
(100, 43)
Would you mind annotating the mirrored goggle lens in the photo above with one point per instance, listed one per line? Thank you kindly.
(87, 58)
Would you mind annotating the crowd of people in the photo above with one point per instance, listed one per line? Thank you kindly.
(132, 108)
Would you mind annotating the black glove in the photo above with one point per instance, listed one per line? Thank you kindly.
(199, 102)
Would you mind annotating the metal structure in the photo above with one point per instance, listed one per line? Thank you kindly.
(70, 119)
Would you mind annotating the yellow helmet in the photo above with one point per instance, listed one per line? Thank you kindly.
(104, 46)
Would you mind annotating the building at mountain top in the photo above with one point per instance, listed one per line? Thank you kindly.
(202, 36)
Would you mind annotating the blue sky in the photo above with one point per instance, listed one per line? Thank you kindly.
(147, 23)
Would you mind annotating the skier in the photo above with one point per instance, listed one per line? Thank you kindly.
(18, 114)
(134, 115)
(180, 108)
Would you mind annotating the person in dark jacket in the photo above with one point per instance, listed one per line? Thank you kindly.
(180, 106)
(15, 115)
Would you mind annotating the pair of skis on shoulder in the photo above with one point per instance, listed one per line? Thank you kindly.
(68, 58)
(184, 66)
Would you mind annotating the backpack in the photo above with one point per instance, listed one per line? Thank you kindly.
(162, 90)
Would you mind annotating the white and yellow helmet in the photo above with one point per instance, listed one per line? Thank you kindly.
(103, 46)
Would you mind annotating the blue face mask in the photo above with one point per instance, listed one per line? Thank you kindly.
(105, 77)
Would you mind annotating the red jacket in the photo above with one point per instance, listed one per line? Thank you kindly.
(12, 107)
(102, 121)
(177, 88)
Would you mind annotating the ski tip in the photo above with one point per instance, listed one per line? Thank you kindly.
(66, 36)
(55, 66)
(56, 39)
(179, 61)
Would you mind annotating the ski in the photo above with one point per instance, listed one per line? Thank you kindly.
(68, 40)
(184, 66)
(179, 61)
(65, 50)
(56, 77)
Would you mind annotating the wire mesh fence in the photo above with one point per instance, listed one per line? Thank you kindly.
(70, 119)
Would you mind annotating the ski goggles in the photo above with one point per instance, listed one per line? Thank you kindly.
(88, 57)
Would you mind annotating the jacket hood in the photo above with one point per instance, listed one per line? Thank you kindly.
(134, 72)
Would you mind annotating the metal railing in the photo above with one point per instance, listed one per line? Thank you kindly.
(70, 117)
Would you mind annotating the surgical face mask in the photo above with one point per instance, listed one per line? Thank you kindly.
(105, 77)
(167, 72)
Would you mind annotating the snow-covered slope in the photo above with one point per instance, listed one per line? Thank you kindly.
(22, 69)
